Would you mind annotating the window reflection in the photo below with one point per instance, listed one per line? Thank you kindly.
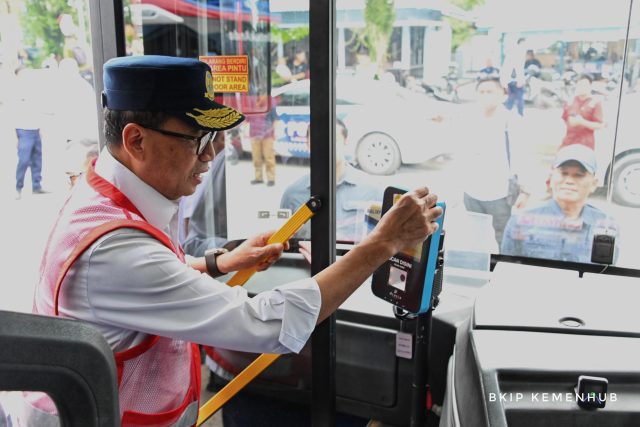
(48, 123)
(422, 114)
(27, 407)
(495, 148)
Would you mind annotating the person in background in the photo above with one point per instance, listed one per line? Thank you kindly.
(282, 70)
(513, 78)
(488, 71)
(299, 66)
(353, 193)
(488, 139)
(531, 60)
(27, 122)
(583, 115)
(563, 227)
(263, 155)
(205, 218)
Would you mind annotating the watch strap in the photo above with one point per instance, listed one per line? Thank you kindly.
(211, 261)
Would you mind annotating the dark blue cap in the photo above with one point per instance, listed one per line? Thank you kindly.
(180, 86)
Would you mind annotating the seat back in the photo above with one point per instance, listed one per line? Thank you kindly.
(67, 359)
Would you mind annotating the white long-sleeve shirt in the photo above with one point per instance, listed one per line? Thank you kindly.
(129, 285)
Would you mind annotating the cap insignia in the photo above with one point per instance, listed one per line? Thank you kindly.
(219, 118)
(209, 85)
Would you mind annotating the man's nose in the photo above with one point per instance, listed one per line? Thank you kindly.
(208, 154)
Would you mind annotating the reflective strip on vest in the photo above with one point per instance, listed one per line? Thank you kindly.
(159, 380)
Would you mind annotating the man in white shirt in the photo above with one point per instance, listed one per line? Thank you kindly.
(488, 149)
(113, 258)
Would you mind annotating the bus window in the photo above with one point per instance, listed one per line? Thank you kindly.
(204, 29)
(48, 120)
(514, 120)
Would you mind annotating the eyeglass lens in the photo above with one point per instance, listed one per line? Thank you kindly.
(204, 140)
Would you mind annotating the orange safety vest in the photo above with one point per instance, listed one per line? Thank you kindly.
(158, 379)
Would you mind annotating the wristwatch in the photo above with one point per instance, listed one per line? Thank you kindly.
(210, 259)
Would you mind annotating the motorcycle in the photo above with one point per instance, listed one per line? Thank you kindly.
(446, 87)
(540, 93)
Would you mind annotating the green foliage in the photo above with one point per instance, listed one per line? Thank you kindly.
(462, 30)
(41, 28)
(467, 4)
(379, 16)
(289, 34)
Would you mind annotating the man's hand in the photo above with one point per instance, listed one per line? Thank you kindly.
(253, 252)
(405, 225)
(409, 222)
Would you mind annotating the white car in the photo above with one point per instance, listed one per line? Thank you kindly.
(625, 172)
(387, 124)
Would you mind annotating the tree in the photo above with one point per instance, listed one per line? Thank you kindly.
(41, 27)
(286, 35)
(462, 30)
(379, 16)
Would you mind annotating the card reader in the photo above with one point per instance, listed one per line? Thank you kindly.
(406, 280)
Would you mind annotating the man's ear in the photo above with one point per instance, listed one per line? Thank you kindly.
(132, 140)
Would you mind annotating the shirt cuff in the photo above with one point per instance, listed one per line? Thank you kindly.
(299, 306)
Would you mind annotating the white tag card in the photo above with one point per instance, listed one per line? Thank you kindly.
(404, 345)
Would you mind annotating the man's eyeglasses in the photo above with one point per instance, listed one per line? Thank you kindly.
(201, 141)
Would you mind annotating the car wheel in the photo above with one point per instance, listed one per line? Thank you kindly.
(626, 181)
(378, 154)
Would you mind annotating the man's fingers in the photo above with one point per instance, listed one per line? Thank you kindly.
(421, 191)
(433, 213)
(273, 249)
(267, 263)
(431, 200)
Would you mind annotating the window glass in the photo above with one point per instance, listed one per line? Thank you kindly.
(508, 111)
(14, 408)
(260, 175)
(48, 125)
(623, 169)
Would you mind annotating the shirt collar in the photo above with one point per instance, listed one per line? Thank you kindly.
(157, 209)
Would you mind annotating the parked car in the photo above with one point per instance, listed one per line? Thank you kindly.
(625, 169)
(381, 118)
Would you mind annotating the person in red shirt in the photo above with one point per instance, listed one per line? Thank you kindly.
(583, 116)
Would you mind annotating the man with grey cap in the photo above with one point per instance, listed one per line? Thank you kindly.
(113, 257)
(563, 227)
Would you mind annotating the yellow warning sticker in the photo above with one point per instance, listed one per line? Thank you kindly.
(230, 72)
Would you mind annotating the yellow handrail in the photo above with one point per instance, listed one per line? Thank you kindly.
(262, 362)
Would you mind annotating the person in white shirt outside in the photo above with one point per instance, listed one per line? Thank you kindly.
(488, 135)
(113, 258)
